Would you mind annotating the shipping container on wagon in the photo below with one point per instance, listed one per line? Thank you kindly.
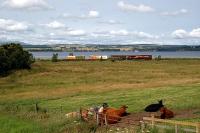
(71, 57)
(139, 57)
(104, 57)
(98, 57)
(118, 57)
(131, 57)
(80, 57)
(94, 57)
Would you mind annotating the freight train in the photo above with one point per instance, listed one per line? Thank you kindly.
(112, 57)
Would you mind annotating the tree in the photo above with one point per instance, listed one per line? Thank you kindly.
(159, 57)
(4, 62)
(54, 57)
(12, 56)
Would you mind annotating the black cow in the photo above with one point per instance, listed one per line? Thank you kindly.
(154, 107)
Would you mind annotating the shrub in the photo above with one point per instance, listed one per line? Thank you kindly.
(54, 57)
(158, 58)
(12, 56)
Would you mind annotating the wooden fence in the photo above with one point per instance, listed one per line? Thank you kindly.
(154, 120)
(102, 119)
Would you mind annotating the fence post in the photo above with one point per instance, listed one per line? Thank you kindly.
(36, 107)
(106, 122)
(152, 120)
(102, 119)
(17, 107)
(61, 108)
(81, 113)
(198, 128)
(176, 128)
(142, 126)
(97, 118)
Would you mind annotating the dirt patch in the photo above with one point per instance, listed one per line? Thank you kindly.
(135, 118)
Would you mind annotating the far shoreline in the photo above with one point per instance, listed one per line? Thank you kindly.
(163, 54)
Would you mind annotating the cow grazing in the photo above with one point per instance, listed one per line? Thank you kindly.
(166, 113)
(154, 107)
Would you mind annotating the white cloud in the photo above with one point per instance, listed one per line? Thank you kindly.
(100, 33)
(110, 22)
(137, 8)
(52, 34)
(182, 34)
(76, 33)
(195, 33)
(93, 14)
(3, 37)
(145, 35)
(144, 42)
(179, 34)
(125, 33)
(97, 35)
(12, 25)
(26, 4)
(175, 13)
(119, 32)
(133, 34)
(55, 25)
(90, 15)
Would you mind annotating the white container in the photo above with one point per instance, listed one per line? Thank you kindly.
(104, 57)
(71, 57)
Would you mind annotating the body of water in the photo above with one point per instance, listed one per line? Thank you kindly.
(63, 55)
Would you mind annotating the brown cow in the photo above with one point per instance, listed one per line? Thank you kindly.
(114, 115)
(166, 113)
(118, 112)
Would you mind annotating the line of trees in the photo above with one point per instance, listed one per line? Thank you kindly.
(12, 56)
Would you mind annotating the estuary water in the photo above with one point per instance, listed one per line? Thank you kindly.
(63, 55)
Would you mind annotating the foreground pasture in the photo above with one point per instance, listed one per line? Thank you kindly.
(65, 86)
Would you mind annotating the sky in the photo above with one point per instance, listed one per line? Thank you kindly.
(164, 22)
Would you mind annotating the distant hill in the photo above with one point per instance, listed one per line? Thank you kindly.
(35, 46)
(112, 47)
(153, 47)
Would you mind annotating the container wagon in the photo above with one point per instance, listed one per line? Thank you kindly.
(139, 57)
(71, 57)
(118, 57)
(98, 57)
(75, 58)
(131, 57)
(80, 57)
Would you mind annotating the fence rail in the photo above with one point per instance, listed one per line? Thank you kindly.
(153, 120)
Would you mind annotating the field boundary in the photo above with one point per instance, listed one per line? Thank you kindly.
(154, 120)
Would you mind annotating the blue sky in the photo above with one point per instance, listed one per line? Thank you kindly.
(100, 21)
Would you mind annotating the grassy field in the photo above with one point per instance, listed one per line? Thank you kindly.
(83, 84)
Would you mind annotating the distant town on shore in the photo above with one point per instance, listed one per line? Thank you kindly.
(106, 47)
(117, 47)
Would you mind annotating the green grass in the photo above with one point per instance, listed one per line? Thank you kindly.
(11, 124)
(136, 99)
(83, 84)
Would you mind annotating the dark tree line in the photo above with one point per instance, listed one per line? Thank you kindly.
(12, 56)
